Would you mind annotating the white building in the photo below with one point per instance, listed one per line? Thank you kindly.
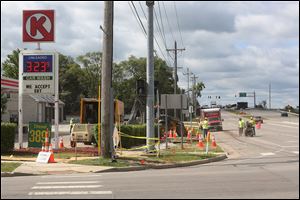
(36, 107)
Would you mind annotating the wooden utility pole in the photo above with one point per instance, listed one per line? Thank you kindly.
(106, 82)
(150, 80)
(175, 70)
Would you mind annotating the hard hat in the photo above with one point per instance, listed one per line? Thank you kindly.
(251, 117)
(205, 118)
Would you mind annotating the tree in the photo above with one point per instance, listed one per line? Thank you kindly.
(71, 84)
(126, 73)
(92, 64)
(10, 66)
(198, 88)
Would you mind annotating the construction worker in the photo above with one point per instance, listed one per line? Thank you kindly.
(205, 127)
(241, 126)
(252, 121)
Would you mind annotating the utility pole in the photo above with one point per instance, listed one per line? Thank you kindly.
(175, 70)
(193, 94)
(150, 79)
(188, 89)
(106, 86)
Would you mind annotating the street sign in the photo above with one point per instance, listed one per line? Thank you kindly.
(37, 133)
(174, 101)
(243, 94)
(38, 72)
(38, 25)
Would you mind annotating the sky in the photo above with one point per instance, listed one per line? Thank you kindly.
(231, 47)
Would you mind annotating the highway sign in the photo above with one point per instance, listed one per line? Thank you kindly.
(243, 94)
(38, 25)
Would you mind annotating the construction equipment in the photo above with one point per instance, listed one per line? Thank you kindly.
(213, 116)
(84, 132)
(249, 131)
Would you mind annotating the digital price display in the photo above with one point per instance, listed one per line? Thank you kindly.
(37, 63)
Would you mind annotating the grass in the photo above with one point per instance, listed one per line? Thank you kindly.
(102, 162)
(9, 166)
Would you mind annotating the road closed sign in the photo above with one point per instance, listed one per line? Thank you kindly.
(38, 25)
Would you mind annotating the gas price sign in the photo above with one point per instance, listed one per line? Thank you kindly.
(38, 71)
(37, 63)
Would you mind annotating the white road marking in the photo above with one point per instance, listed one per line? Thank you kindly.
(74, 182)
(71, 176)
(267, 154)
(287, 122)
(296, 152)
(70, 193)
(282, 125)
(65, 186)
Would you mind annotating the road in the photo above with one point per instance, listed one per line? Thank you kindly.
(265, 166)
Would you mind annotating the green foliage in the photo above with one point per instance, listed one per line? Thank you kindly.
(91, 63)
(11, 65)
(126, 73)
(71, 87)
(7, 136)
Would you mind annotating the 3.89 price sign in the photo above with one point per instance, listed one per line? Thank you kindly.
(37, 133)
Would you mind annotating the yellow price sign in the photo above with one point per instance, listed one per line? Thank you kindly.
(37, 133)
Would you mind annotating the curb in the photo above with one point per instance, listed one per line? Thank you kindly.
(13, 174)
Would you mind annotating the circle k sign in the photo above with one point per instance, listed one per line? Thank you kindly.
(38, 25)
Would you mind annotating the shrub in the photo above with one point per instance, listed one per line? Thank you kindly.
(7, 136)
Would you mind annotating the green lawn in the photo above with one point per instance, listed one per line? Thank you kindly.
(9, 166)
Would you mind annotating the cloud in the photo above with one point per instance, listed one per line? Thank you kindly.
(231, 46)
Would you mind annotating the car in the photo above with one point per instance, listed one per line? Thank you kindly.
(284, 114)
(258, 119)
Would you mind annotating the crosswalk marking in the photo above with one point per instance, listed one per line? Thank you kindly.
(61, 183)
(70, 193)
(70, 176)
(65, 186)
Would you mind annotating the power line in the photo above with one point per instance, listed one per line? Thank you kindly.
(141, 26)
(178, 23)
(168, 21)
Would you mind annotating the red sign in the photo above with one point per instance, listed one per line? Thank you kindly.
(38, 25)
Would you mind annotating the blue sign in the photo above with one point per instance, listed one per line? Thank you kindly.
(37, 63)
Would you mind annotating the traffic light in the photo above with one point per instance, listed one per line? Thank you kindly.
(140, 87)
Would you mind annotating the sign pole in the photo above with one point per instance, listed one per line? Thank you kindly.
(20, 110)
(56, 99)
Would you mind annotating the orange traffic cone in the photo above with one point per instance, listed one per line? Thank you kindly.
(61, 143)
(189, 135)
(51, 159)
(213, 143)
(258, 125)
(47, 140)
(200, 143)
(174, 134)
(170, 134)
